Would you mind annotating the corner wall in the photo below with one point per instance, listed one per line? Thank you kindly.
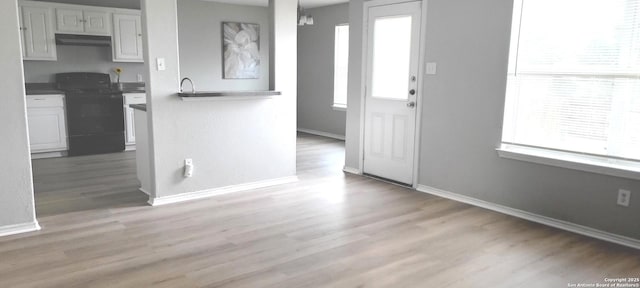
(315, 71)
(353, 140)
(17, 211)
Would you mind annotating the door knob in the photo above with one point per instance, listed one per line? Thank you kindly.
(412, 92)
(411, 104)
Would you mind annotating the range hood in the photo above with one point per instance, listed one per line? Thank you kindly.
(82, 40)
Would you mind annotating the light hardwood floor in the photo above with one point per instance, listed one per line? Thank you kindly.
(327, 230)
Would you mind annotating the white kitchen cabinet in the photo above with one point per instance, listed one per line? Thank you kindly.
(97, 22)
(69, 20)
(129, 120)
(83, 21)
(127, 38)
(38, 39)
(47, 123)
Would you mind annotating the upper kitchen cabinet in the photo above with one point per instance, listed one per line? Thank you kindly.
(127, 38)
(38, 40)
(83, 21)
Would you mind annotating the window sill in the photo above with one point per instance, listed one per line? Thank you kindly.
(339, 107)
(588, 163)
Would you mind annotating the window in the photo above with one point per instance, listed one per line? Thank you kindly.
(391, 63)
(341, 67)
(574, 78)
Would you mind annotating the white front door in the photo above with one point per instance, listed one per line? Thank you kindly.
(391, 88)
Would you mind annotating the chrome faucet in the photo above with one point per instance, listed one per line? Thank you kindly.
(193, 86)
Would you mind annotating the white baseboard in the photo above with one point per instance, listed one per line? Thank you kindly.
(144, 191)
(352, 170)
(48, 155)
(219, 191)
(19, 228)
(564, 225)
(320, 133)
(130, 147)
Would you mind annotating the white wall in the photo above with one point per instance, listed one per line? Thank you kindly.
(230, 142)
(16, 184)
(200, 41)
(81, 59)
(462, 122)
(315, 71)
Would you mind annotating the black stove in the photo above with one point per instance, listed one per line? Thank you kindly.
(95, 113)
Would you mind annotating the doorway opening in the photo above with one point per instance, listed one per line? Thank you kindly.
(83, 66)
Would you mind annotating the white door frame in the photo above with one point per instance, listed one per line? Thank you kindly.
(419, 96)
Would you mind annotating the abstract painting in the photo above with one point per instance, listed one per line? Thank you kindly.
(241, 46)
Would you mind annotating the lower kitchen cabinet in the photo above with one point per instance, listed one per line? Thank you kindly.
(129, 122)
(47, 123)
(48, 127)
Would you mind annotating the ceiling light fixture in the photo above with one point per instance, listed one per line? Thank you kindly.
(304, 18)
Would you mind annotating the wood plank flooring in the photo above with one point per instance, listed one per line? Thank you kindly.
(327, 230)
(95, 182)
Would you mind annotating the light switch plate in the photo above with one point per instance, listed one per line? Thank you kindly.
(431, 68)
(160, 64)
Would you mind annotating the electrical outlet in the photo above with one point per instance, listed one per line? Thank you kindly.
(188, 168)
(624, 197)
(139, 78)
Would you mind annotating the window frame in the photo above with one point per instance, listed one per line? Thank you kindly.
(339, 106)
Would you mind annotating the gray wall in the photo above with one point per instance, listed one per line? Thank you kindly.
(231, 142)
(16, 185)
(462, 119)
(81, 59)
(354, 89)
(200, 43)
(315, 71)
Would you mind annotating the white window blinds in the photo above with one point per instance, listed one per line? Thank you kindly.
(574, 77)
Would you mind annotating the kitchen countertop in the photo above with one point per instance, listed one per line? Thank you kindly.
(229, 93)
(133, 91)
(50, 88)
(141, 107)
(43, 91)
(130, 87)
